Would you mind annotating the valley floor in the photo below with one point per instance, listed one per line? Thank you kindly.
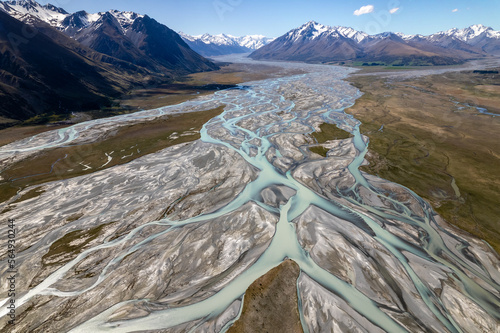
(431, 134)
(147, 98)
(133, 223)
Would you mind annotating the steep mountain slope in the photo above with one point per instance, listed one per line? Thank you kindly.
(392, 48)
(313, 42)
(20, 9)
(121, 35)
(213, 45)
(106, 36)
(39, 75)
(166, 47)
(137, 39)
(479, 36)
(56, 62)
(319, 43)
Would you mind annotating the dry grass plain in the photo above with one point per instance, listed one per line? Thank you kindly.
(435, 142)
(271, 302)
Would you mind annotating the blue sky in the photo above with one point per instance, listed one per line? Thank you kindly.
(274, 18)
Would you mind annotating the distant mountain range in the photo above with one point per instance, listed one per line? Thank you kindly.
(79, 61)
(314, 42)
(53, 61)
(214, 45)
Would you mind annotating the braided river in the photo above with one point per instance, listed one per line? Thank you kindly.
(185, 231)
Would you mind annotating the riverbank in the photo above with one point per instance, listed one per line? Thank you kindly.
(432, 134)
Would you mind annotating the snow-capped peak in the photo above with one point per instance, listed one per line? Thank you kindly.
(469, 33)
(188, 37)
(124, 18)
(252, 42)
(347, 32)
(312, 30)
(407, 37)
(57, 17)
(479, 29)
(21, 8)
(220, 39)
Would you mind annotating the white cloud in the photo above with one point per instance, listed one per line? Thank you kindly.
(394, 10)
(454, 10)
(364, 10)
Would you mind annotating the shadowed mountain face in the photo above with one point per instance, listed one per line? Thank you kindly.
(106, 37)
(314, 42)
(74, 62)
(38, 74)
(143, 42)
(328, 49)
(166, 46)
(128, 36)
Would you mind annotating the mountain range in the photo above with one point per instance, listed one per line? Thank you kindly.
(314, 42)
(214, 45)
(55, 61)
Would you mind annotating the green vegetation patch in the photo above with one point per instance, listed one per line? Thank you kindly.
(71, 245)
(330, 132)
(327, 132)
(36, 192)
(320, 150)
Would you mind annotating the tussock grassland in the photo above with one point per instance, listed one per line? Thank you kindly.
(435, 142)
(327, 132)
(271, 302)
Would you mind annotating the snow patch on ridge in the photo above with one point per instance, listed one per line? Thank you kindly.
(252, 42)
